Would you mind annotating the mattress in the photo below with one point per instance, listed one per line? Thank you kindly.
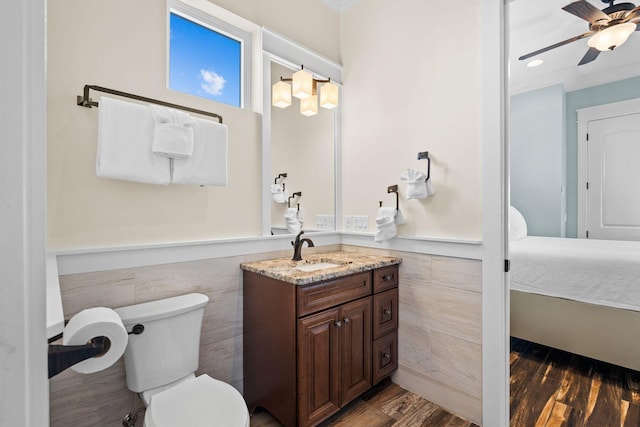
(603, 272)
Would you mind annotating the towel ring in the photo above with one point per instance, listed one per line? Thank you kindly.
(425, 155)
(297, 193)
(394, 189)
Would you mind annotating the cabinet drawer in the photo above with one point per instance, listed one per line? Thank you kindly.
(385, 356)
(315, 297)
(385, 312)
(385, 278)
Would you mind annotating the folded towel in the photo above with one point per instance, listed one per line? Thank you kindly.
(416, 184)
(125, 136)
(173, 132)
(208, 164)
(430, 190)
(385, 224)
(292, 220)
(279, 194)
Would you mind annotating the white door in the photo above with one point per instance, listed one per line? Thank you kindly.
(613, 177)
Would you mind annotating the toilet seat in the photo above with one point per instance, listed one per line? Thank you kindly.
(201, 402)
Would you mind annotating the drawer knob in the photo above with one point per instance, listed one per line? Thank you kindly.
(387, 277)
(338, 323)
(346, 320)
(386, 356)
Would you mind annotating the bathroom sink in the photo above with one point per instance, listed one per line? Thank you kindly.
(316, 266)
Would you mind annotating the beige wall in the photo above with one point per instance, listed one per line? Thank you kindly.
(412, 84)
(121, 45)
(310, 23)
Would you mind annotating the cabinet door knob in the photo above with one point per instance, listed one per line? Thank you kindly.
(337, 323)
(386, 356)
(387, 311)
(346, 320)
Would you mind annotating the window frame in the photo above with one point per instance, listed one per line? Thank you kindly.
(218, 25)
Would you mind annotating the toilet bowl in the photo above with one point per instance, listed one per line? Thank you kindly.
(160, 362)
(200, 402)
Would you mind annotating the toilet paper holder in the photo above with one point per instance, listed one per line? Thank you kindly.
(62, 357)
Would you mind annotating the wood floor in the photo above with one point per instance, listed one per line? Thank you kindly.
(382, 407)
(552, 388)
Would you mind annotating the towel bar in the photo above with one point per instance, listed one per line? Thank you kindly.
(85, 101)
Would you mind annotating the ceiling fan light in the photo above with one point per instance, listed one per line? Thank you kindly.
(612, 37)
(281, 94)
(309, 106)
(302, 83)
(329, 96)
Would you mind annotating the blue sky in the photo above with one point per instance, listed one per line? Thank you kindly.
(203, 62)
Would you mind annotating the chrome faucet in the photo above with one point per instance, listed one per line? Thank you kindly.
(297, 246)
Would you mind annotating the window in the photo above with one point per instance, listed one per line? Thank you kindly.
(207, 57)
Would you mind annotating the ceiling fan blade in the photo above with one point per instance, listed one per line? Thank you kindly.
(553, 46)
(633, 13)
(591, 55)
(585, 10)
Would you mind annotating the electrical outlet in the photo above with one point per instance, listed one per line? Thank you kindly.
(348, 222)
(360, 222)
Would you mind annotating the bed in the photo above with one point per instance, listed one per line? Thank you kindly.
(578, 295)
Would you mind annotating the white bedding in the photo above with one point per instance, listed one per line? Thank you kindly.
(603, 272)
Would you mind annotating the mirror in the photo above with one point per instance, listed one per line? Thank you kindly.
(302, 148)
(307, 149)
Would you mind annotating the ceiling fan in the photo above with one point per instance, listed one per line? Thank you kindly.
(608, 28)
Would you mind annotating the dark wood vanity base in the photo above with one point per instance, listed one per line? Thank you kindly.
(311, 349)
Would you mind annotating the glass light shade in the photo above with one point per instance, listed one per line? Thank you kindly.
(309, 106)
(302, 83)
(281, 94)
(329, 96)
(612, 37)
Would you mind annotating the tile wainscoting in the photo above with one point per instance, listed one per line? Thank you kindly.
(440, 329)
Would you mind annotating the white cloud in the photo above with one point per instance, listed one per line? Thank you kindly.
(213, 83)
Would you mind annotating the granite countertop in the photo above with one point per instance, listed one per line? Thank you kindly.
(348, 263)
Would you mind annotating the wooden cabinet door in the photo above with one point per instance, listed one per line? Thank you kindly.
(355, 351)
(318, 376)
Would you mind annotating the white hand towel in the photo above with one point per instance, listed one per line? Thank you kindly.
(416, 184)
(430, 190)
(279, 195)
(385, 224)
(208, 164)
(291, 219)
(173, 132)
(125, 136)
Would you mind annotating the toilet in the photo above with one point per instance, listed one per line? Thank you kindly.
(160, 364)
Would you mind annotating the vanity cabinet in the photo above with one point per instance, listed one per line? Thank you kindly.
(308, 350)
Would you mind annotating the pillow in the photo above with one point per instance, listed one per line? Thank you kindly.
(517, 224)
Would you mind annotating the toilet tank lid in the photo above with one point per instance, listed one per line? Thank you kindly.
(160, 309)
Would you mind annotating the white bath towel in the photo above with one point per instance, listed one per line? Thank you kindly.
(292, 220)
(125, 136)
(416, 184)
(173, 132)
(208, 164)
(279, 194)
(385, 224)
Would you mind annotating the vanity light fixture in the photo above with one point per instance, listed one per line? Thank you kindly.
(612, 37)
(304, 86)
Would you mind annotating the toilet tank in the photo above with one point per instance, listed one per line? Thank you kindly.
(168, 349)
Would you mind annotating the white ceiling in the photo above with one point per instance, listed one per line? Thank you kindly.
(535, 24)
